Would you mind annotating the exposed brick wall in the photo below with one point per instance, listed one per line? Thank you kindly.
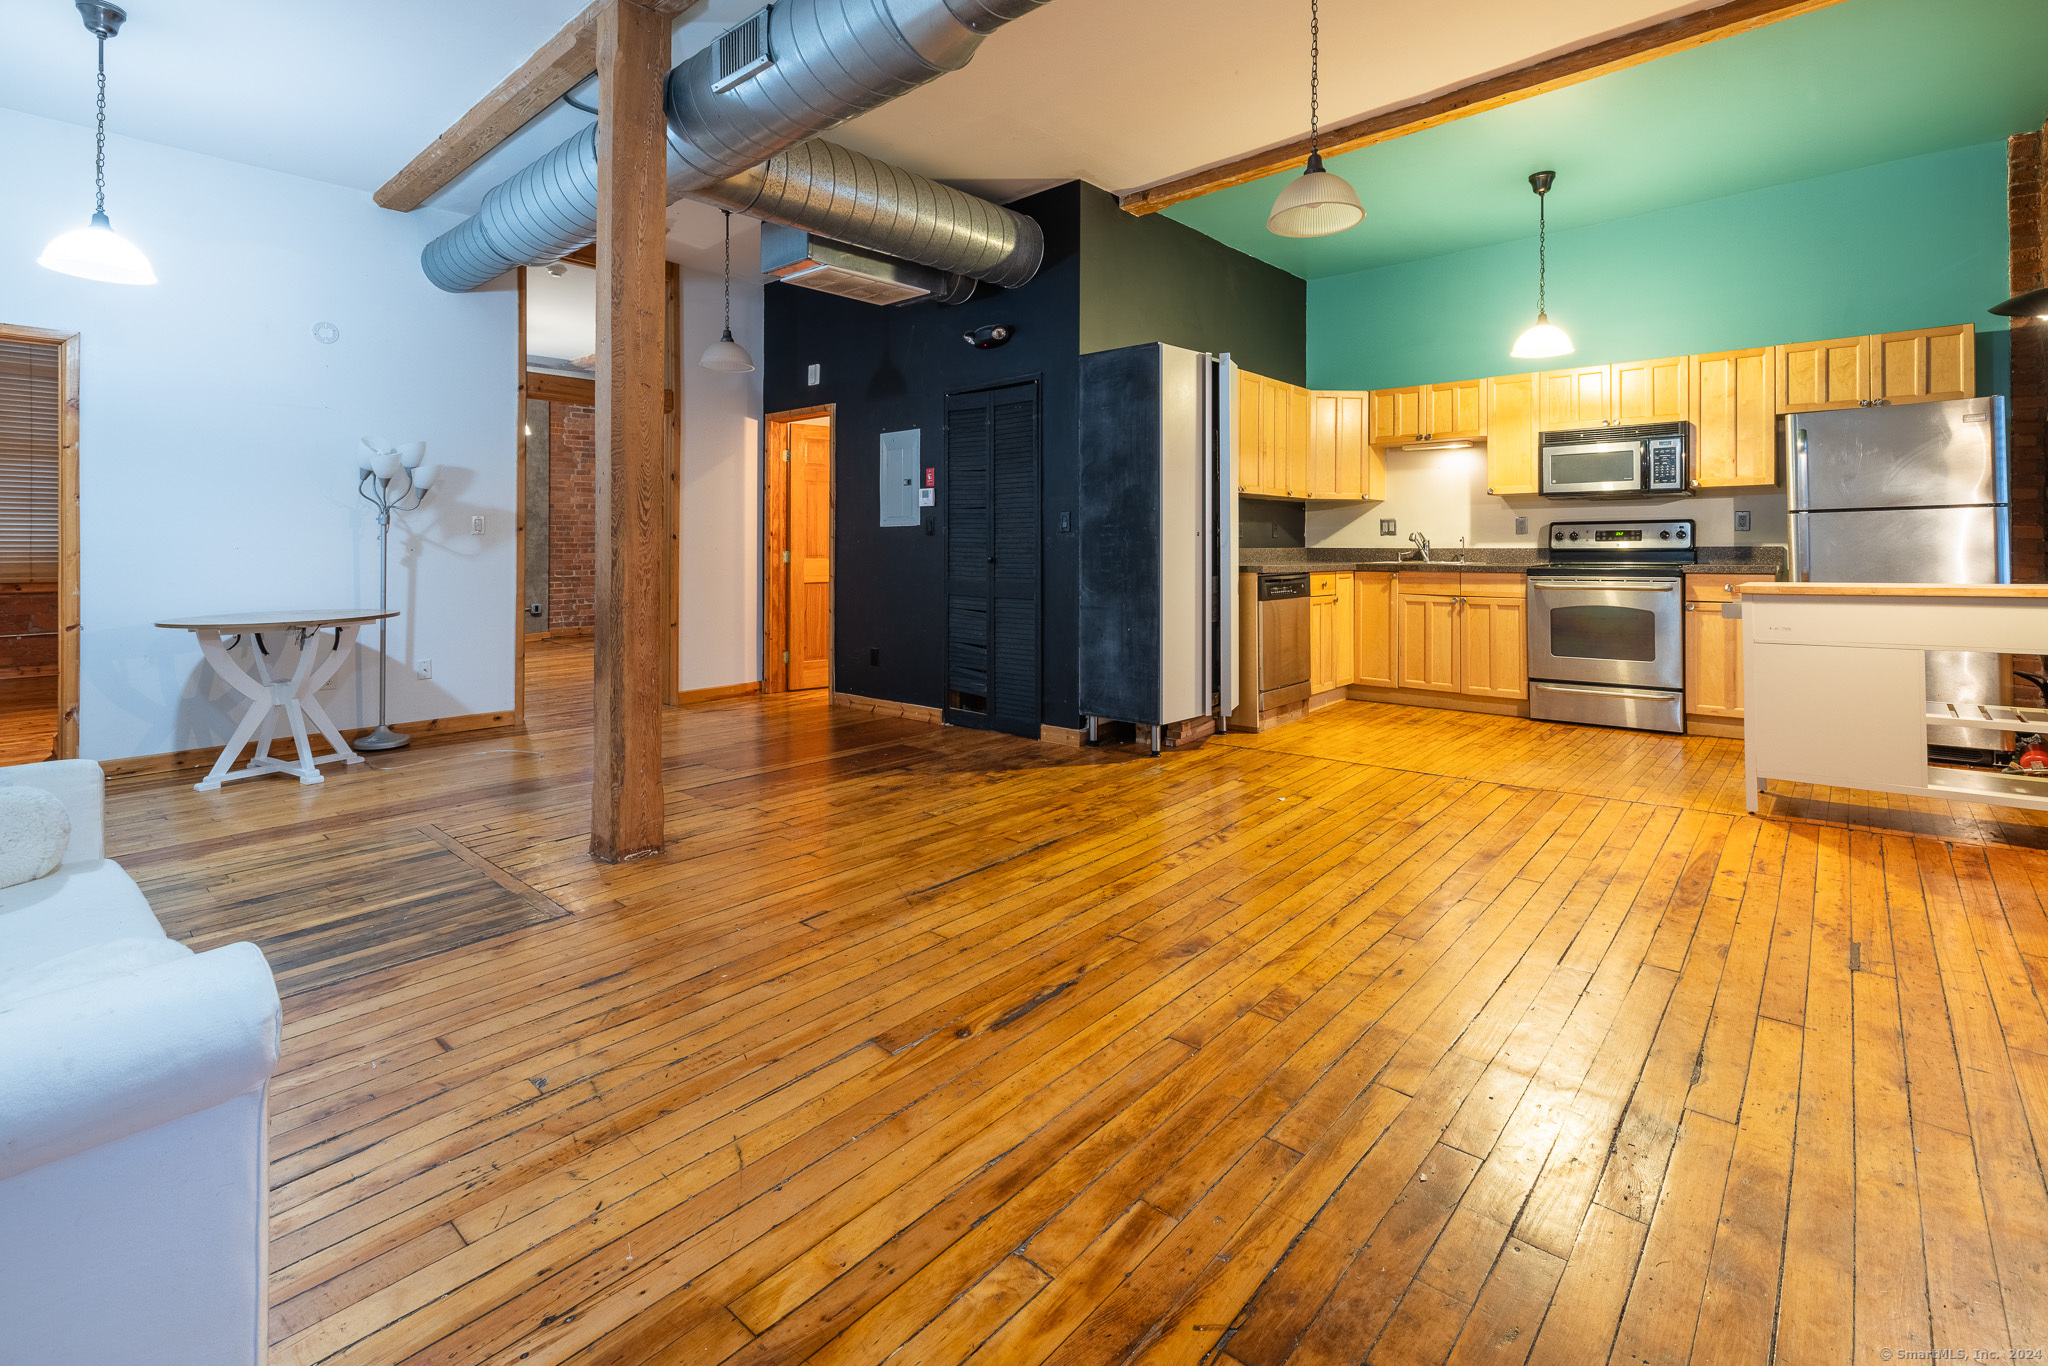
(2026, 222)
(572, 516)
(28, 632)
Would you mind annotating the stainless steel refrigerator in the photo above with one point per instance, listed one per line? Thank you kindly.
(1906, 493)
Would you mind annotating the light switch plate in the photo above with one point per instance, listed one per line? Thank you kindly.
(811, 375)
(1742, 521)
(1387, 527)
(476, 526)
(1521, 526)
(423, 669)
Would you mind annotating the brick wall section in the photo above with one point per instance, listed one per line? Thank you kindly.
(572, 516)
(28, 632)
(2027, 226)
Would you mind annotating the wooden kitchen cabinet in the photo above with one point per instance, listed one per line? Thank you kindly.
(1493, 646)
(1582, 397)
(1331, 632)
(1376, 644)
(1429, 640)
(1344, 653)
(1511, 435)
(1338, 453)
(1463, 633)
(1272, 437)
(1295, 460)
(1397, 415)
(1735, 432)
(1454, 412)
(1652, 391)
(1925, 366)
(1713, 645)
(1824, 374)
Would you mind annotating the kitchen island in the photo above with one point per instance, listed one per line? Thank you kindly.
(1835, 676)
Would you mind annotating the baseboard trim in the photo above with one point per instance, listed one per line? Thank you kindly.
(143, 764)
(1061, 735)
(1442, 701)
(909, 711)
(691, 696)
(1725, 727)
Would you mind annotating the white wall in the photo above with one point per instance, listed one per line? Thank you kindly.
(1443, 495)
(720, 559)
(217, 467)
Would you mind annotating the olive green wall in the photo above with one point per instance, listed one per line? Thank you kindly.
(1151, 279)
(1913, 243)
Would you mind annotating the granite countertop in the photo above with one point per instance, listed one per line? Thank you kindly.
(1713, 559)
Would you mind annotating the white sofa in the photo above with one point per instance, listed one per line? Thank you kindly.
(132, 1157)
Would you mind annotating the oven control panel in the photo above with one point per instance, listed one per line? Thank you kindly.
(1621, 538)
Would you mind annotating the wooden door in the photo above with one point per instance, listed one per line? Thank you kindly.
(1926, 366)
(1396, 415)
(1322, 644)
(1493, 646)
(810, 557)
(1297, 440)
(1653, 391)
(1376, 643)
(1581, 397)
(1455, 412)
(992, 560)
(1429, 642)
(1511, 435)
(1248, 418)
(1343, 628)
(1735, 434)
(1824, 374)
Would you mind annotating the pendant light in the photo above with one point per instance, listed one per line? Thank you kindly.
(1544, 339)
(96, 251)
(1319, 202)
(725, 353)
(2032, 304)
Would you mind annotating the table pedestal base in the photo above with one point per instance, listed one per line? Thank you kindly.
(269, 696)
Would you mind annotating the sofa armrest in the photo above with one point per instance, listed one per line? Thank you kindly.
(81, 1068)
(82, 787)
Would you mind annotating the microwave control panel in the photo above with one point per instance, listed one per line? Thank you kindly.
(1667, 462)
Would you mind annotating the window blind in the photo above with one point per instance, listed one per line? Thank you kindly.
(28, 463)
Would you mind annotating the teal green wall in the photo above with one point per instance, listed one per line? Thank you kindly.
(1914, 243)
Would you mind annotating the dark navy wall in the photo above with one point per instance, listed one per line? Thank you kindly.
(887, 369)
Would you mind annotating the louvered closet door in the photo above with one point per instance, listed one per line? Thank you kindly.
(28, 463)
(992, 563)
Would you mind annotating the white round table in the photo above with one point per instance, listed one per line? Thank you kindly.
(268, 694)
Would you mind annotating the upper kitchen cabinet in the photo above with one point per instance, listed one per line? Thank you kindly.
(1397, 415)
(1454, 412)
(1824, 374)
(1341, 462)
(1927, 366)
(1652, 391)
(1735, 437)
(1295, 459)
(1582, 397)
(1511, 434)
(1272, 437)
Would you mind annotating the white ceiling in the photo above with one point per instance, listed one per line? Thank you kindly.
(1122, 93)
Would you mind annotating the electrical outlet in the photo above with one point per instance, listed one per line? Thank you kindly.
(1742, 521)
(1521, 526)
(1387, 526)
(811, 375)
(423, 669)
(476, 526)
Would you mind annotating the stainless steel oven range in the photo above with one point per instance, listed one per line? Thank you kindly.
(1606, 624)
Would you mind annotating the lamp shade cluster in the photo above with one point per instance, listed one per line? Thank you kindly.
(406, 460)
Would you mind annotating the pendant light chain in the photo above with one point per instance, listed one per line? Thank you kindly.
(1542, 257)
(1315, 53)
(99, 177)
(728, 273)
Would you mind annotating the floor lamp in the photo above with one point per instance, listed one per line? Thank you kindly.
(389, 476)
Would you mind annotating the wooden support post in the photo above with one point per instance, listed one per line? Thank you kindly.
(625, 794)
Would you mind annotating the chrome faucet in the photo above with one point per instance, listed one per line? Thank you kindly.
(1421, 543)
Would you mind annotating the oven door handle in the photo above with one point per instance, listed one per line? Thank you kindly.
(1608, 692)
(1632, 585)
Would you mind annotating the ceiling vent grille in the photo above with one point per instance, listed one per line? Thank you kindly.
(741, 52)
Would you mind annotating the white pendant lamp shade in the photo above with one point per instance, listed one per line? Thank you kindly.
(1315, 203)
(1544, 339)
(96, 251)
(725, 354)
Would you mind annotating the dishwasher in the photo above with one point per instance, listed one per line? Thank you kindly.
(1283, 640)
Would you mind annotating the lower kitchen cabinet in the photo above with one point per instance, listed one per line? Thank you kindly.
(1331, 632)
(1427, 607)
(1464, 633)
(1493, 647)
(1713, 646)
(1376, 643)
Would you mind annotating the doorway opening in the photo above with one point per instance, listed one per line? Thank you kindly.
(38, 545)
(797, 552)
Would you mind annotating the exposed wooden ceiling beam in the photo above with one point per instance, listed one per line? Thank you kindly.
(1552, 73)
(545, 77)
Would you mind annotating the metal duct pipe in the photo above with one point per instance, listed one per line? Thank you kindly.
(833, 59)
(836, 192)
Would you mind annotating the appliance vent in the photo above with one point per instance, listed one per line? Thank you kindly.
(741, 51)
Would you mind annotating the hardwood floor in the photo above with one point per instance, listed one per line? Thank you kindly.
(1395, 1035)
(28, 720)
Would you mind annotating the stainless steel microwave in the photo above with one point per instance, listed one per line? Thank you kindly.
(1650, 461)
